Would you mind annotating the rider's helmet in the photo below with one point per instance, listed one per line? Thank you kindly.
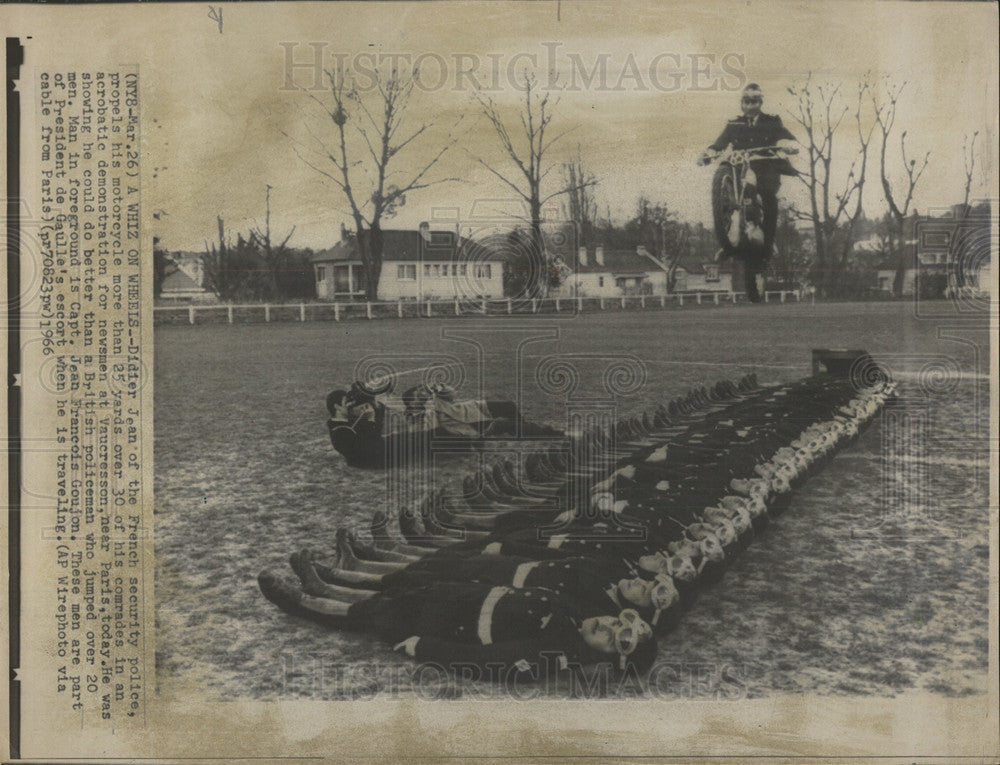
(751, 98)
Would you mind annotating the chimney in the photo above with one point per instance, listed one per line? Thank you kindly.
(599, 254)
(581, 256)
(425, 230)
(343, 232)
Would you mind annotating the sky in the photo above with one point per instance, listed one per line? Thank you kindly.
(220, 122)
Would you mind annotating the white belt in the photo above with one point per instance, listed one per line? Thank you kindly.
(521, 573)
(485, 629)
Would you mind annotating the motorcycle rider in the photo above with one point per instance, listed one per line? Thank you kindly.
(754, 130)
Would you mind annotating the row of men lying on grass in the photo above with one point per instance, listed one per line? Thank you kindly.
(547, 585)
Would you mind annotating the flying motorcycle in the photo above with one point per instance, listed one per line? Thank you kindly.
(738, 212)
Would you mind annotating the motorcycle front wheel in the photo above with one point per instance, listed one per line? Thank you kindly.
(725, 205)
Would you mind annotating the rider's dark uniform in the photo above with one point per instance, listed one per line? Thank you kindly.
(745, 132)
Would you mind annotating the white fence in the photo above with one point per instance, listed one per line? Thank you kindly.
(225, 313)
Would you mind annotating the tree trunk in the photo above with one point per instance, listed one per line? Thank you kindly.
(899, 280)
(539, 268)
(820, 276)
(897, 251)
(376, 244)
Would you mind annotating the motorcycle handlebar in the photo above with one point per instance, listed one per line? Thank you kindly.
(761, 152)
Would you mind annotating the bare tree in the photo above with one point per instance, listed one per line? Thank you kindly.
(527, 146)
(371, 149)
(675, 242)
(835, 206)
(580, 207)
(163, 267)
(234, 271)
(275, 259)
(969, 163)
(791, 258)
(898, 201)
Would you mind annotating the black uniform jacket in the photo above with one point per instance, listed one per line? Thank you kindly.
(766, 131)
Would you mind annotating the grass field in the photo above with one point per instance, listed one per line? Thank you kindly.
(874, 582)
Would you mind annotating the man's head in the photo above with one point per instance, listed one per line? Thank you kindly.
(751, 99)
(359, 395)
(615, 634)
(680, 568)
(336, 405)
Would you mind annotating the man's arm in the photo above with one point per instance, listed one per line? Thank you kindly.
(512, 655)
(781, 132)
(724, 139)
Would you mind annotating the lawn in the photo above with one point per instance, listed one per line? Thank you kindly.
(875, 581)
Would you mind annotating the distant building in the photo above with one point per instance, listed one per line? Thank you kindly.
(185, 279)
(596, 272)
(698, 274)
(416, 265)
(945, 253)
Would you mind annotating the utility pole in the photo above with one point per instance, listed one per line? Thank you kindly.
(267, 219)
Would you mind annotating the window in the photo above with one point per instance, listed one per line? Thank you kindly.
(408, 272)
(437, 269)
(489, 271)
(444, 270)
(411, 272)
(400, 272)
(462, 270)
(600, 281)
(711, 273)
(427, 269)
(320, 273)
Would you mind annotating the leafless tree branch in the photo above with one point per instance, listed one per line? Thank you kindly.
(363, 154)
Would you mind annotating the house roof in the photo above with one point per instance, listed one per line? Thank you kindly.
(616, 262)
(400, 246)
(640, 261)
(179, 281)
(186, 257)
(694, 263)
(185, 272)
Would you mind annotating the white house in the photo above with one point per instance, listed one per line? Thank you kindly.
(886, 278)
(943, 248)
(416, 265)
(695, 274)
(873, 252)
(186, 280)
(614, 273)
